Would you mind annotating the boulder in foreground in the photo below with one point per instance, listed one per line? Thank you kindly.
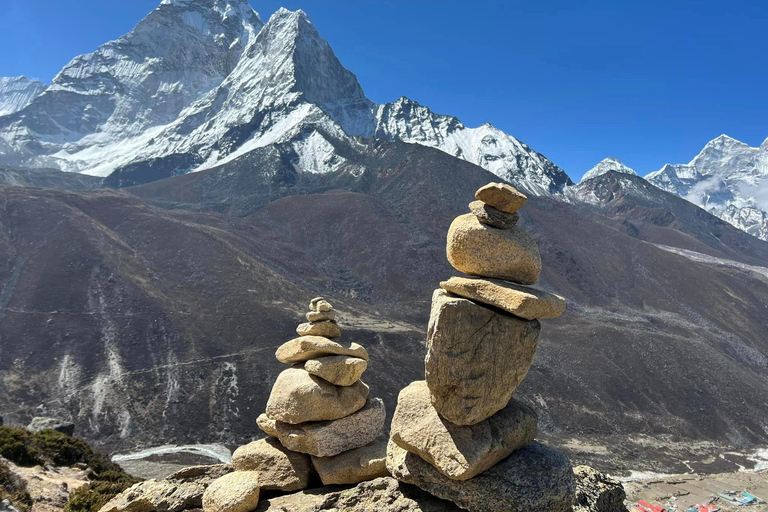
(380, 495)
(329, 438)
(476, 357)
(459, 452)
(596, 492)
(235, 492)
(354, 466)
(279, 469)
(534, 479)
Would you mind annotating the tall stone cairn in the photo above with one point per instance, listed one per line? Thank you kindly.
(319, 414)
(459, 434)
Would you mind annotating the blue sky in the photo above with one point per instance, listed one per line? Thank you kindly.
(647, 82)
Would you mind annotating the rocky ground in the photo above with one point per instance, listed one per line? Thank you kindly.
(680, 492)
(50, 487)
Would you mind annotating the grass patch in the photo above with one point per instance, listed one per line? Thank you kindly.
(93, 496)
(49, 447)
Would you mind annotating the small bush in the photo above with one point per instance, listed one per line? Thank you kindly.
(16, 446)
(93, 496)
(52, 447)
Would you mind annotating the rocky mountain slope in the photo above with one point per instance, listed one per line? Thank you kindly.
(17, 92)
(728, 178)
(227, 86)
(149, 315)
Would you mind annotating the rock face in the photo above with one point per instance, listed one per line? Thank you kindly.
(476, 357)
(534, 479)
(521, 301)
(354, 466)
(459, 452)
(380, 495)
(480, 250)
(596, 492)
(329, 438)
(310, 347)
(235, 492)
(166, 495)
(44, 423)
(489, 215)
(339, 370)
(501, 196)
(278, 468)
(298, 397)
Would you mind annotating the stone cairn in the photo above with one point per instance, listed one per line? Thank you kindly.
(318, 414)
(459, 435)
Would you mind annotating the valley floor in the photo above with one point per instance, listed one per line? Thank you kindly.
(680, 492)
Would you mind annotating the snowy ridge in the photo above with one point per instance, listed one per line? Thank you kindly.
(202, 82)
(606, 165)
(17, 92)
(486, 146)
(100, 101)
(727, 178)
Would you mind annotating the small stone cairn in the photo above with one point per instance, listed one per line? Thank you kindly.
(459, 435)
(319, 415)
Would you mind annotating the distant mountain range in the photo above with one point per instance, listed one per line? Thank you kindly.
(254, 174)
(199, 83)
(728, 178)
(18, 92)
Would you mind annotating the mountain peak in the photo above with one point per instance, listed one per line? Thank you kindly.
(607, 165)
(16, 92)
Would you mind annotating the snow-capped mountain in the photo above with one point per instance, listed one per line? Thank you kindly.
(728, 178)
(606, 165)
(17, 92)
(486, 146)
(199, 83)
(101, 103)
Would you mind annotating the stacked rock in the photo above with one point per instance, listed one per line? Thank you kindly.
(318, 414)
(459, 434)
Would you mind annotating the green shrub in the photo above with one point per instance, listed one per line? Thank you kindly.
(16, 446)
(93, 496)
(52, 447)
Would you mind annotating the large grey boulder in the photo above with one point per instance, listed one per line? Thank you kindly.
(596, 492)
(165, 495)
(44, 423)
(380, 495)
(459, 452)
(534, 479)
(476, 357)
